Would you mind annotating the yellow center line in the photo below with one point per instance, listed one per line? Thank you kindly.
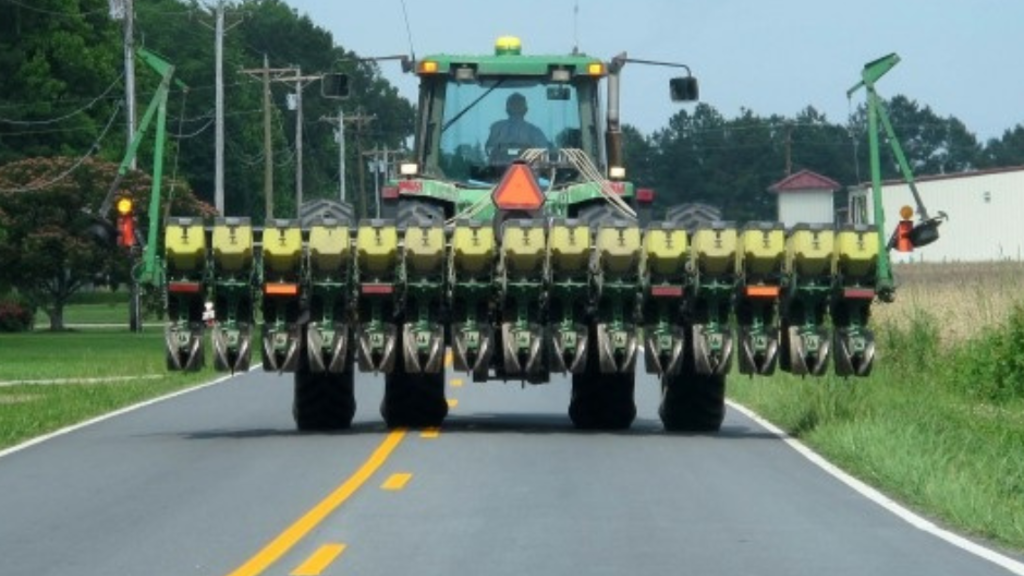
(284, 542)
(456, 382)
(448, 359)
(319, 561)
(453, 402)
(430, 433)
(396, 481)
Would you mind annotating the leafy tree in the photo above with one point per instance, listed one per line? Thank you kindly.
(1005, 151)
(932, 144)
(56, 58)
(50, 252)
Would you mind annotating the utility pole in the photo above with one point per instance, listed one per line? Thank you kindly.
(218, 177)
(129, 70)
(268, 145)
(341, 152)
(288, 75)
(218, 185)
(339, 124)
(789, 149)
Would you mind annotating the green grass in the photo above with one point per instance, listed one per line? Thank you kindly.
(915, 429)
(133, 363)
(98, 307)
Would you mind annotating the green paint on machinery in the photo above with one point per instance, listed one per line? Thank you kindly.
(520, 249)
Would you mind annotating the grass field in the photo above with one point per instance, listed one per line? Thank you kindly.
(51, 380)
(929, 426)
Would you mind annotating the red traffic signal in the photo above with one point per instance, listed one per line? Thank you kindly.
(126, 231)
(125, 222)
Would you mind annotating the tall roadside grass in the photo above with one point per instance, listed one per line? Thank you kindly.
(940, 423)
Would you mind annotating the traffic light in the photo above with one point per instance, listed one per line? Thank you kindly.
(334, 85)
(125, 222)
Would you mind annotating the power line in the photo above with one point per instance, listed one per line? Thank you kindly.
(56, 13)
(92, 150)
(66, 116)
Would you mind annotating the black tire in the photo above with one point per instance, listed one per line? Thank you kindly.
(323, 400)
(601, 401)
(413, 400)
(594, 213)
(693, 215)
(313, 210)
(419, 213)
(692, 402)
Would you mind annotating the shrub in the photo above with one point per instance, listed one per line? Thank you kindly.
(991, 366)
(15, 315)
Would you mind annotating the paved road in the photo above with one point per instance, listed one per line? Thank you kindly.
(217, 482)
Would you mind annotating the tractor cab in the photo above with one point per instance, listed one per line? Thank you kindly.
(478, 114)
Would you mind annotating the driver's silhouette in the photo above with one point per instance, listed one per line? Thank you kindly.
(510, 136)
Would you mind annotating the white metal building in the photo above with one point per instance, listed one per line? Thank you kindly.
(985, 208)
(805, 197)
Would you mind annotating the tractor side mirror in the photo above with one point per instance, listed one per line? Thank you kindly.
(334, 85)
(684, 89)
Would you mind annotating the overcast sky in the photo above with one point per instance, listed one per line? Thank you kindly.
(961, 57)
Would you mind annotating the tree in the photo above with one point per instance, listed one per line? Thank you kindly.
(57, 57)
(932, 144)
(1005, 151)
(50, 254)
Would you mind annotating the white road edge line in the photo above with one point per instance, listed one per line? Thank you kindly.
(116, 413)
(882, 500)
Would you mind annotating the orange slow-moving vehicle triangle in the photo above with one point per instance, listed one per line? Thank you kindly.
(518, 190)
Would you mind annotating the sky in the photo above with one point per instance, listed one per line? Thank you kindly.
(960, 57)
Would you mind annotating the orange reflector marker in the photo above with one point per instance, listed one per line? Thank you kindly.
(667, 291)
(859, 293)
(183, 287)
(377, 288)
(762, 291)
(281, 289)
(518, 189)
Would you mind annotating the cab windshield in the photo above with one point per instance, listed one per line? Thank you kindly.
(487, 125)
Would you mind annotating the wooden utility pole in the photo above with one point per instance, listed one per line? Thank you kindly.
(361, 121)
(268, 75)
(339, 123)
(129, 70)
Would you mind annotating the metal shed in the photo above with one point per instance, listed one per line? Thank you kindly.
(985, 208)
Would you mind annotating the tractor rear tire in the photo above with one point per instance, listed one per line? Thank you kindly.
(602, 401)
(595, 213)
(419, 213)
(413, 400)
(692, 402)
(323, 400)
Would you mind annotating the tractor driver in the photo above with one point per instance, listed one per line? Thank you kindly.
(510, 137)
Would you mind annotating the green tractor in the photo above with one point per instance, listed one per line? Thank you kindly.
(512, 247)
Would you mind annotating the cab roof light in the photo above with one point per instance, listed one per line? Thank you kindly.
(560, 75)
(596, 69)
(428, 67)
(508, 46)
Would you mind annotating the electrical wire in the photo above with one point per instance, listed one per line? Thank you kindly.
(56, 13)
(66, 116)
(92, 150)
